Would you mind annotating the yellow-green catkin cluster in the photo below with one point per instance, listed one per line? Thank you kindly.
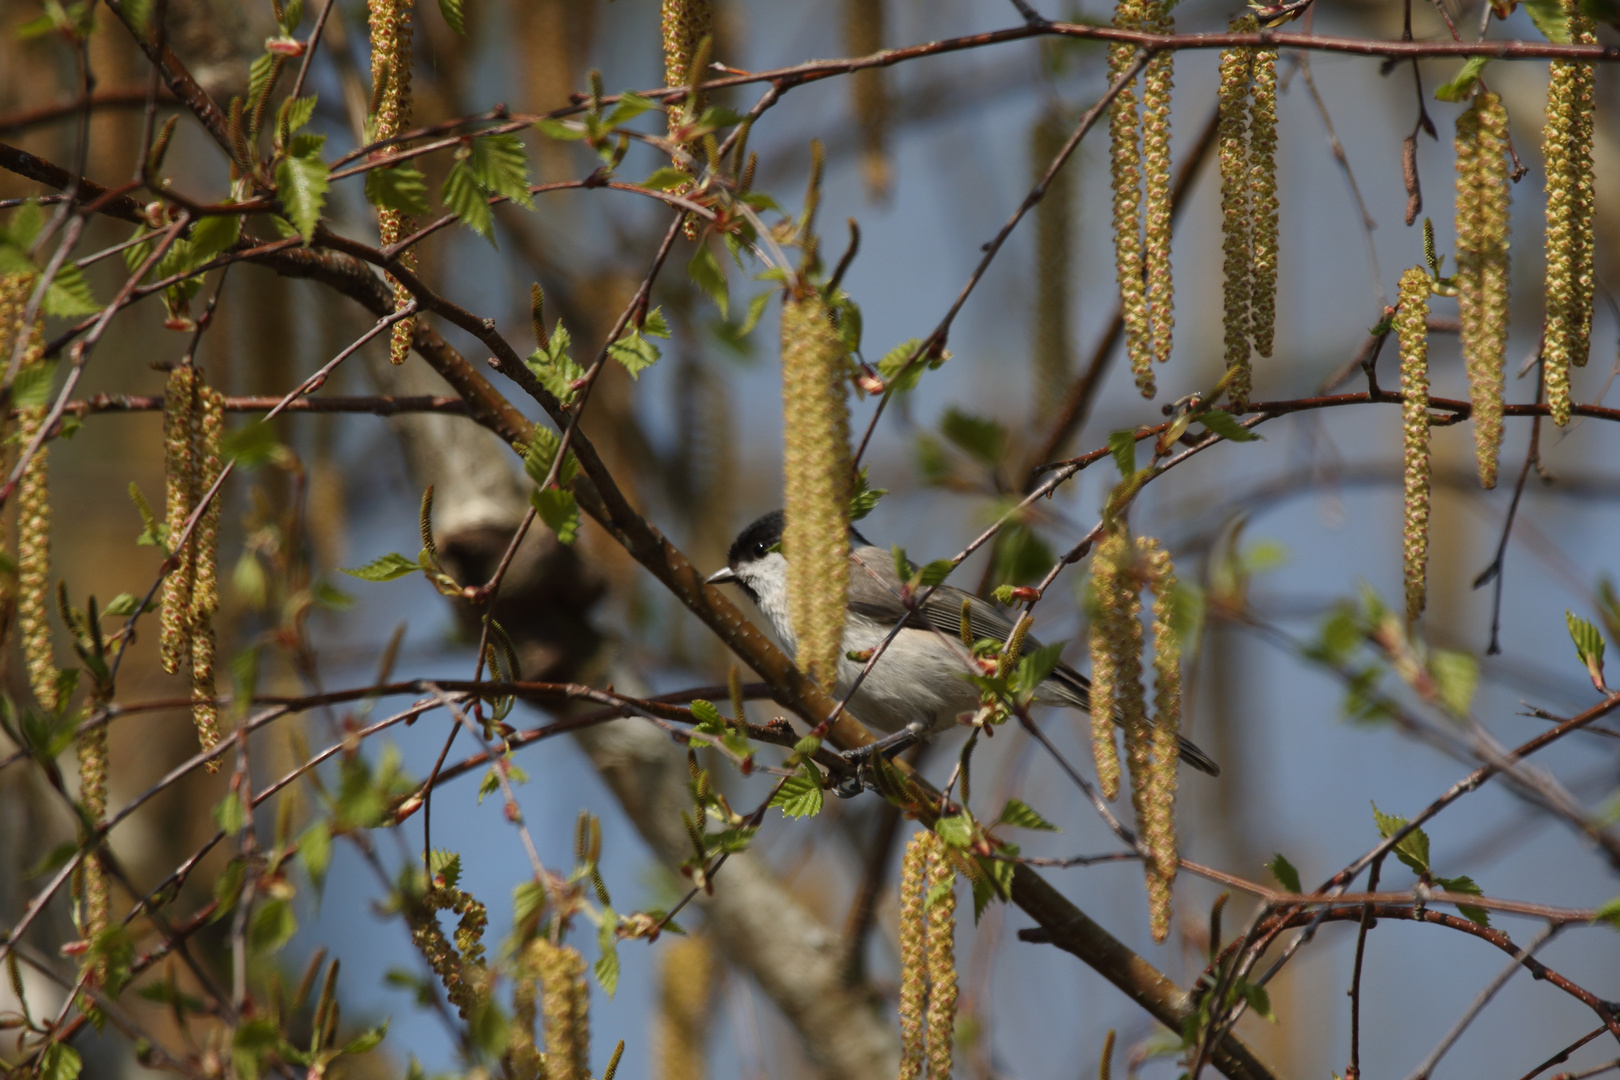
(565, 1005)
(1247, 141)
(686, 25)
(92, 753)
(33, 500)
(685, 985)
(927, 959)
(1482, 269)
(391, 115)
(817, 482)
(1142, 266)
(1116, 650)
(863, 36)
(459, 966)
(193, 425)
(1412, 330)
(1571, 206)
(1153, 789)
(1054, 263)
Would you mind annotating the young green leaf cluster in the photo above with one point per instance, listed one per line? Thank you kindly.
(1571, 206)
(1248, 158)
(1412, 332)
(1482, 268)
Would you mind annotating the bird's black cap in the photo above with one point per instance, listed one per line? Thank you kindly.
(754, 541)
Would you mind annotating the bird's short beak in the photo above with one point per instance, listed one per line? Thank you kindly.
(723, 576)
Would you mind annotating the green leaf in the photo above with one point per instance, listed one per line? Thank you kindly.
(707, 716)
(559, 510)
(1226, 426)
(291, 16)
(1609, 912)
(462, 196)
(865, 499)
(1589, 646)
(32, 387)
(935, 573)
(488, 785)
(1456, 675)
(1284, 872)
(800, 794)
(138, 13)
(707, 274)
(489, 1028)
(251, 446)
(296, 112)
(635, 352)
(259, 72)
(384, 568)
(315, 849)
(981, 439)
(1466, 885)
(227, 888)
(367, 1041)
(500, 165)
(892, 367)
(629, 106)
(1122, 444)
(1019, 555)
(606, 967)
(446, 864)
(554, 367)
(212, 235)
(1551, 18)
(1034, 668)
(302, 179)
(756, 308)
(69, 294)
(542, 451)
(59, 1062)
(666, 179)
(1259, 1001)
(655, 324)
(957, 830)
(402, 188)
(1463, 83)
(27, 220)
(272, 926)
(453, 18)
(230, 814)
(1413, 850)
(563, 130)
(1020, 815)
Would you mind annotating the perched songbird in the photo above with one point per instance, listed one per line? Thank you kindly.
(916, 689)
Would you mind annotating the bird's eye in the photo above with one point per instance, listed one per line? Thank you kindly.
(759, 550)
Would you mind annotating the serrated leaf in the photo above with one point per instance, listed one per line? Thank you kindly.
(259, 72)
(445, 864)
(707, 716)
(1122, 445)
(1284, 872)
(655, 324)
(935, 573)
(453, 17)
(1456, 675)
(1589, 646)
(296, 112)
(800, 794)
(666, 179)
(1463, 83)
(956, 830)
(542, 451)
(59, 1062)
(606, 967)
(272, 926)
(865, 499)
(559, 510)
(462, 196)
(69, 294)
(500, 165)
(1020, 815)
(488, 785)
(981, 439)
(1226, 426)
(1551, 17)
(302, 180)
(32, 387)
(1466, 885)
(707, 274)
(1413, 850)
(384, 568)
(554, 367)
(629, 106)
(1034, 668)
(635, 352)
(756, 308)
(402, 188)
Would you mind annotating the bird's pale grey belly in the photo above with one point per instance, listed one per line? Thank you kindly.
(932, 691)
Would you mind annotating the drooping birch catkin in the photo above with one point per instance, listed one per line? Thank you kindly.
(863, 36)
(1567, 156)
(391, 115)
(1411, 330)
(1482, 269)
(33, 509)
(1114, 604)
(1584, 204)
(1263, 201)
(817, 482)
(1157, 82)
(210, 428)
(92, 754)
(941, 958)
(180, 421)
(685, 984)
(14, 292)
(1054, 263)
(522, 1054)
(1125, 152)
(685, 25)
(1237, 210)
(563, 998)
(913, 958)
(1159, 830)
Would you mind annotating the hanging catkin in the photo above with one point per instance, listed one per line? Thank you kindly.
(180, 482)
(817, 482)
(33, 506)
(1116, 650)
(927, 959)
(1158, 826)
(688, 26)
(1157, 82)
(1126, 169)
(1263, 201)
(685, 985)
(1411, 330)
(391, 115)
(1236, 67)
(913, 958)
(205, 568)
(1482, 269)
(1567, 154)
(940, 950)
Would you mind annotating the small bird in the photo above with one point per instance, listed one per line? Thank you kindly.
(916, 689)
